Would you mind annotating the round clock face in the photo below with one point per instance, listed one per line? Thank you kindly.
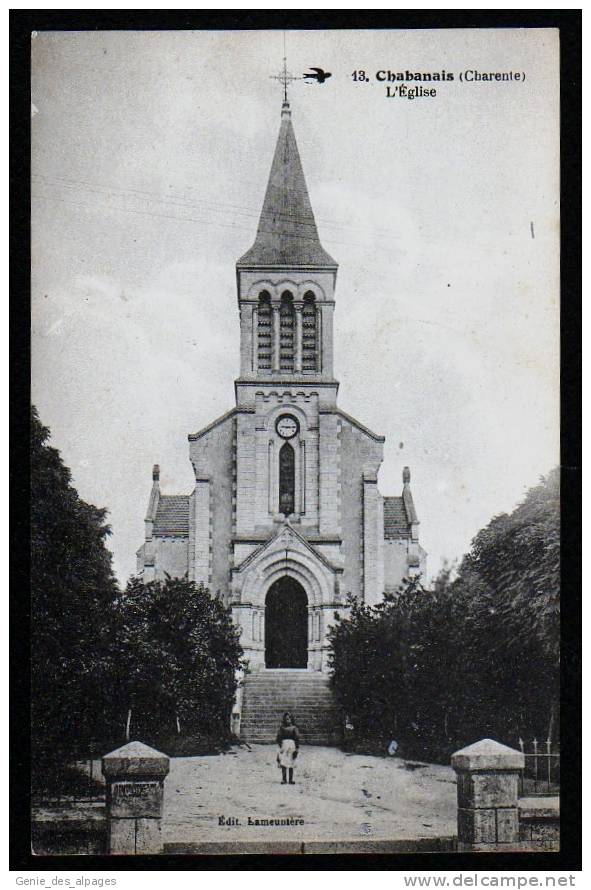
(287, 426)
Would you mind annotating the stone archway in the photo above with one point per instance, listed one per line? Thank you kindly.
(286, 625)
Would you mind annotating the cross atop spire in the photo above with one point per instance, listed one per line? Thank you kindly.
(285, 77)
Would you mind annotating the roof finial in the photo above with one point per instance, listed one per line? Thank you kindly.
(406, 476)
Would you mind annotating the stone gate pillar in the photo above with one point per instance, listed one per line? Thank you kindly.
(135, 777)
(488, 785)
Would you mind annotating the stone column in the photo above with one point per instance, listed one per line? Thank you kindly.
(298, 337)
(324, 323)
(276, 338)
(488, 783)
(135, 777)
(302, 476)
(373, 539)
(237, 707)
(202, 543)
(272, 503)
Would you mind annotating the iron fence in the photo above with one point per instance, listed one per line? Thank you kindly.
(69, 777)
(541, 773)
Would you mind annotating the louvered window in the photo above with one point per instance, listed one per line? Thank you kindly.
(286, 333)
(264, 332)
(309, 334)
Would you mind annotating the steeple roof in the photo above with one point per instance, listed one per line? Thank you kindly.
(287, 233)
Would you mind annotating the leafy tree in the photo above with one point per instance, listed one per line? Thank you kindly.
(177, 656)
(478, 655)
(72, 589)
(516, 560)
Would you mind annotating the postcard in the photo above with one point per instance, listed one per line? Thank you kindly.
(295, 448)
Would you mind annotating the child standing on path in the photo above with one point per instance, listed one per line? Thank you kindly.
(288, 739)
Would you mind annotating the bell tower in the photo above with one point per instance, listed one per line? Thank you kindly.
(286, 284)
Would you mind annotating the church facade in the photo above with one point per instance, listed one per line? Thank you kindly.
(286, 518)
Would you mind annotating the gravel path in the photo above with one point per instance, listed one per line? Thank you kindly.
(336, 796)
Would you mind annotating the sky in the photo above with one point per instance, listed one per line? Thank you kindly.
(150, 157)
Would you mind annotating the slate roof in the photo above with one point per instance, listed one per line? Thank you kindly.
(172, 516)
(396, 523)
(287, 233)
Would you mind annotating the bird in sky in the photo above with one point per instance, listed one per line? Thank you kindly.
(320, 76)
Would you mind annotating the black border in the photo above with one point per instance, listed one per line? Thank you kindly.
(569, 24)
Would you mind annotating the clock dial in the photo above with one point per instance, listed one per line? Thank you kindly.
(287, 426)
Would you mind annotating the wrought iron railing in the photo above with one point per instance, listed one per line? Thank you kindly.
(69, 777)
(541, 774)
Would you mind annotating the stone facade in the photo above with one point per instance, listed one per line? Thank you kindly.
(286, 483)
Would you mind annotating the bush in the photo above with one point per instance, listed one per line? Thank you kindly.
(175, 661)
(476, 656)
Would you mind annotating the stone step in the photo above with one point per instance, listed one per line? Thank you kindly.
(296, 693)
(300, 716)
(309, 696)
(314, 732)
(307, 688)
(301, 719)
(252, 714)
(304, 724)
(270, 677)
(323, 695)
(288, 706)
(280, 693)
(294, 689)
(258, 717)
(277, 699)
(281, 690)
(325, 738)
(302, 687)
(288, 676)
(284, 705)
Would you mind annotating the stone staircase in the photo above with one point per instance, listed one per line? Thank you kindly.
(305, 694)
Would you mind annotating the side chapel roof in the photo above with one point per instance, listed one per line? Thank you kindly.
(399, 512)
(172, 516)
(396, 523)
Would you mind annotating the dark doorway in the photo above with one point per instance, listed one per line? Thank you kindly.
(286, 625)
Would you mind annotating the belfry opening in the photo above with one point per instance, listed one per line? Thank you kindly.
(286, 625)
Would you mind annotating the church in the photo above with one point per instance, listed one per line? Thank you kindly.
(286, 518)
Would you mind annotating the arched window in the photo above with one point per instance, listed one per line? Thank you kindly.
(309, 334)
(286, 333)
(286, 479)
(264, 332)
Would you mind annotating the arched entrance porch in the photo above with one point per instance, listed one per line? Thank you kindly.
(286, 625)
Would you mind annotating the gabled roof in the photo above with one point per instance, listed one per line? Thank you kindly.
(172, 516)
(287, 531)
(206, 429)
(287, 233)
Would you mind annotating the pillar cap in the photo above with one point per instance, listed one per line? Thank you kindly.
(487, 755)
(136, 759)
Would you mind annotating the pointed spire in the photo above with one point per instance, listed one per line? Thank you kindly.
(287, 233)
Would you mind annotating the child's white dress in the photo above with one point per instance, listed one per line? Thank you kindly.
(286, 753)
